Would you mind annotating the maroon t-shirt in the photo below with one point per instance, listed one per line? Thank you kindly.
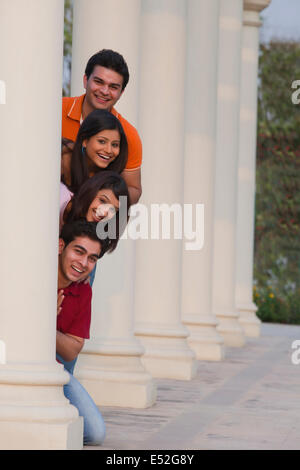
(75, 315)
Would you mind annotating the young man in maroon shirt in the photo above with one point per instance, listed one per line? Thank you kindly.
(79, 250)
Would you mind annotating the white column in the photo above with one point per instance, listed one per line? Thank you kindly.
(107, 24)
(158, 265)
(224, 261)
(199, 166)
(246, 172)
(110, 366)
(34, 413)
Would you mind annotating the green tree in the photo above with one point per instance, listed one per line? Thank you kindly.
(279, 67)
(68, 26)
(277, 235)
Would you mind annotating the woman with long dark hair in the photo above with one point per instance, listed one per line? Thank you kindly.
(102, 198)
(101, 144)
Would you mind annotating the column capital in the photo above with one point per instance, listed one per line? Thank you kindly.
(255, 5)
(252, 8)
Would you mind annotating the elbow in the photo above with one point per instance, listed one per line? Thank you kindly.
(134, 194)
(138, 194)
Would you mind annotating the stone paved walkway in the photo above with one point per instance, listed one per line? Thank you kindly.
(250, 400)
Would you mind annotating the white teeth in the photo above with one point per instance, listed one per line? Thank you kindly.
(78, 270)
(102, 99)
(103, 156)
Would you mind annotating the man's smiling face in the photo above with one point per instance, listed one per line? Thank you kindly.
(103, 88)
(77, 259)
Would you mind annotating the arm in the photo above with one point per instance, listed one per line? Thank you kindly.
(133, 181)
(68, 346)
(73, 321)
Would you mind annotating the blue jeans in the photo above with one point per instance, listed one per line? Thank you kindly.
(69, 366)
(92, 275)
(93, 423)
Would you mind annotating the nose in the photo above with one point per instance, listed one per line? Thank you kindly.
(84, 261)
(102, 210)
(104, 89)
(108, 147)
(105, 211)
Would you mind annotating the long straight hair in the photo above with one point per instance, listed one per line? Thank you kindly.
(88, 191)
(97, 121)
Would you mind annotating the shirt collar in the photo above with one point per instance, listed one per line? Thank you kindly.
(76, 108)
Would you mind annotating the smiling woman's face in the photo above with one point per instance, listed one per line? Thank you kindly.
(105, 205)
(102, 148)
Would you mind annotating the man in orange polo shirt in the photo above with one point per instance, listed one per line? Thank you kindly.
(106, 76)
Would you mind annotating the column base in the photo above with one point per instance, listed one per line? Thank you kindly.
(167, 353)
(20, 435)
(231, 330)
(34, 413)
(204, 339)
(114, 375)
(250, 323)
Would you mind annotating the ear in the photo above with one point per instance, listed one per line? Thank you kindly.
(85, 79)
(61, 245)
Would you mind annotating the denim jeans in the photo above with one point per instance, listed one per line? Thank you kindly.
(69, 366)
(92, 275)
(93, 424)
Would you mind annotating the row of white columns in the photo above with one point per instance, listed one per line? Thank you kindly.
(156, 307)
(183, 305)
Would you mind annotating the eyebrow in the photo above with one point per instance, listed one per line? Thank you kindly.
(105, 138)
(109, 84)
(85, 251)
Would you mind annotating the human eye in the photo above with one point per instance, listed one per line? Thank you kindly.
(116, 145)
(93, 259)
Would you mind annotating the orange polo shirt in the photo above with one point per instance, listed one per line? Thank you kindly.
(71, 115)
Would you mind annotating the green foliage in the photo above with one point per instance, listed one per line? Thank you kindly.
(68, 26)
(279, 67)
(277, 235)
(275, 309)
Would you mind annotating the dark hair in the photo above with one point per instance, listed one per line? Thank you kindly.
(82, 228)
(111, 60)
(88, 191)
(97, 121)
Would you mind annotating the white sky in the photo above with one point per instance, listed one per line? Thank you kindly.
(281, 20)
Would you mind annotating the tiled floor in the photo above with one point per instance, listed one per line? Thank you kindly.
(250, 400)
